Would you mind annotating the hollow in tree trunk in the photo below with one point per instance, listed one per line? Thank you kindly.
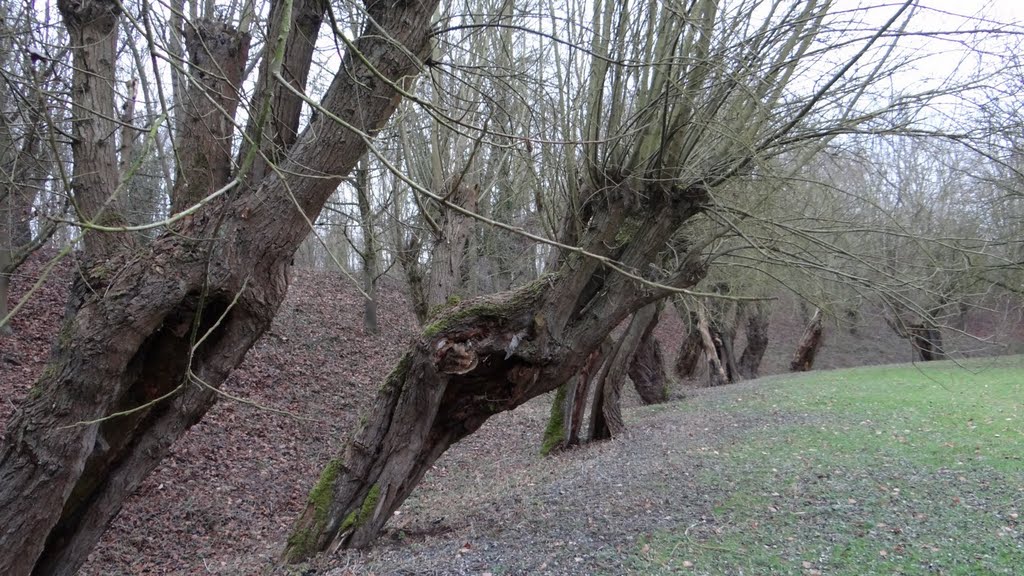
(148, 337)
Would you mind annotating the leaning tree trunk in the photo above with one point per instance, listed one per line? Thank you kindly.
(807, 348)
(149, 337)
(647, 369)
(489, 355)
(758, 317)
(606, 410)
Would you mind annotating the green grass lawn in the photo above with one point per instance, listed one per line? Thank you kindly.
(881, 470)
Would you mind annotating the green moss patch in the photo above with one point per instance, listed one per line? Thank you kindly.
(554, 434)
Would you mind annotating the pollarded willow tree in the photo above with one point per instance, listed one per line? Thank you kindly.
(677, 103)
(153, 327)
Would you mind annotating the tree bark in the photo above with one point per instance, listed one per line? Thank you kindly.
(606, 411)
(217, 57)
(927, 342)
(716, 371)
(276, 109)
(569, 405)
(647, 368)
(450, 250)
(758, 318)
(489, 355)
(159, 332)
(807, 348)
(688, 359)
(92, 26)
(368, 255)
(723, 315)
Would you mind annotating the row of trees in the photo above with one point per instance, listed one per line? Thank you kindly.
(537, 174)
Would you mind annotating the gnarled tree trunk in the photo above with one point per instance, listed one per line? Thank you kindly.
(647, 368)
(723, 315)
(807, 348)
(606, 410)
(489, 355)
(147, 338)
(758, 318)
(717, 375)
(688, 359)
(570, 403)
(927, 342)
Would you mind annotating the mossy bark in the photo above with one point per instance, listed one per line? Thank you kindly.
(555, 434)
(490, 354)
(570, 408)
(131, 376)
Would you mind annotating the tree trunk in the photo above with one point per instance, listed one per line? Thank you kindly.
(408, 255)
(217, 58)
(647, 369)
(758, 318)
(368, 255)
(927, 342)
(92, 29)
(807, 348)
(489, 355)
(724, 338)
(690, 350)
(716, 371)
(450, 250)
(606, 410)
(569, 405)
(5, 280)
(276, 110)
(723, 315)
(158, 332)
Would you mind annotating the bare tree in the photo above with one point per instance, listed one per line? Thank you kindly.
(149, 336)
(705, 101)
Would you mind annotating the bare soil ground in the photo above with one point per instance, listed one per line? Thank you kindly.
(223, 502)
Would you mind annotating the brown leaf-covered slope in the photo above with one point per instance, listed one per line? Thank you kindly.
(225, 498)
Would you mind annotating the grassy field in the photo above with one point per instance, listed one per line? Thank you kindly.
(881, 470)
